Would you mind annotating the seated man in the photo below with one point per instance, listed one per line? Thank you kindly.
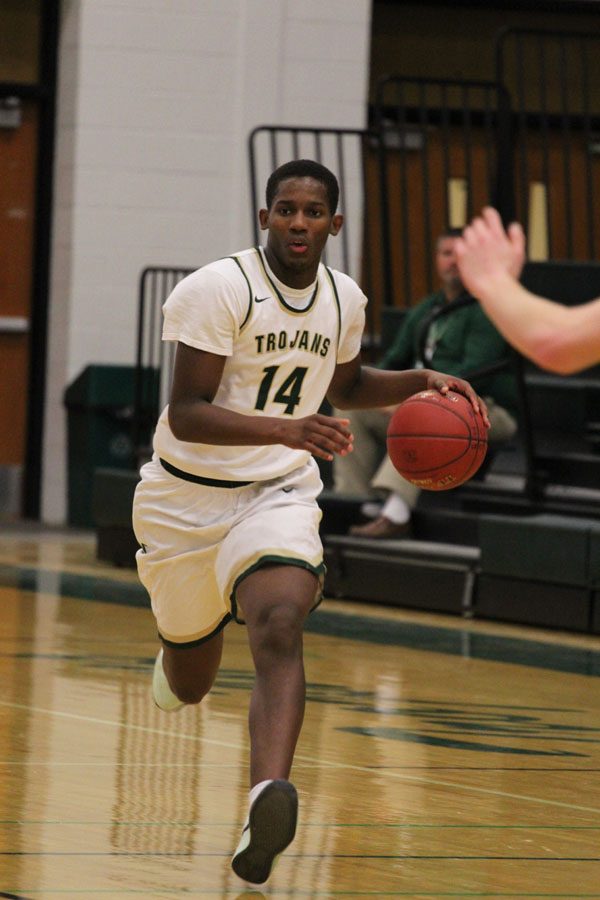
(447, 331)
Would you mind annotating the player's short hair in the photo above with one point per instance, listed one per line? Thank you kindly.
(304, 168)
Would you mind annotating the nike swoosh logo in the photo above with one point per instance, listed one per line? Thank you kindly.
(260, 299)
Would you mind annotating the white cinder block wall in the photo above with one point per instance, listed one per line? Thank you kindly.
(156, 100)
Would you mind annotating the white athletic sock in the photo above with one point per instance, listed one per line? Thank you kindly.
(257, 789)
(371, 508)
(396, 509)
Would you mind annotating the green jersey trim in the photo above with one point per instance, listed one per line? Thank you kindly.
(279, 295)
(337, 303)
(270, 559)
(241, 268)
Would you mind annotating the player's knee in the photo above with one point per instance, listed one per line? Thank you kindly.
(279, 629)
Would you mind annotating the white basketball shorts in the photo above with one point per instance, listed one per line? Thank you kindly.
(198, 542)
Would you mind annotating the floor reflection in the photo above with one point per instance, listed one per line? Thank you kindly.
(426, 765)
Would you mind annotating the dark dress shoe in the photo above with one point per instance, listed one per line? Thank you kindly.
(381, 528)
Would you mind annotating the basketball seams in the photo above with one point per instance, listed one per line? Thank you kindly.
(449, 462)
(434, 457)
(424, 401)
(438, 437)
(482, 440)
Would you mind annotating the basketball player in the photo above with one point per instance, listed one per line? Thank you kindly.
(559, 338)
(226, 512)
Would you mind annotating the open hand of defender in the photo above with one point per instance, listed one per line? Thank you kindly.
(486, 250)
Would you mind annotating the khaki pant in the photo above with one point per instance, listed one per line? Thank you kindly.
(368, 470)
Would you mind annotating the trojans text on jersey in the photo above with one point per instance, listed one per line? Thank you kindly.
(301, 339)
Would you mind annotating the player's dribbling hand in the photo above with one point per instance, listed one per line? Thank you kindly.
(323, 436)
(437, 381)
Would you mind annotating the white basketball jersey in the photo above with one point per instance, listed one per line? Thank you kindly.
(282, 346)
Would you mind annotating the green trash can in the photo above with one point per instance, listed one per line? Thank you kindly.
(99, 406)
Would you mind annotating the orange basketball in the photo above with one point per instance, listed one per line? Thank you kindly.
(436, 441)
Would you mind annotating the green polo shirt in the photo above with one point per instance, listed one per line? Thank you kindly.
(462, 341)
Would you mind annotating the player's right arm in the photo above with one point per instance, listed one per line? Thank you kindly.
(194, 417)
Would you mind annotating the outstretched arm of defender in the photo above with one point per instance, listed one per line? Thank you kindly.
(562, 339)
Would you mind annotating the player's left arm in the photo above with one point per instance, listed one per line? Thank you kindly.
(355, 386)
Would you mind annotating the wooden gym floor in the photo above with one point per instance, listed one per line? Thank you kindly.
(439, 758)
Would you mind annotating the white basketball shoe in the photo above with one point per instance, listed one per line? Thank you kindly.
(269, 829)
(163, 695)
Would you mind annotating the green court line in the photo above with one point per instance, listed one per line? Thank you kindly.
(455, 641)
(69, 584)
